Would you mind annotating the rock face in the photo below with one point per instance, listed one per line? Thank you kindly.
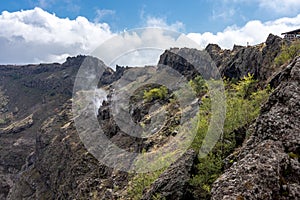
(268, 165)
(234, 64)
(257, 60)
(29, 94)
(173, 182)
(33, 93)
(18, 126)
(189, 62)
(47, 160)
(62, 168)
(74, 173)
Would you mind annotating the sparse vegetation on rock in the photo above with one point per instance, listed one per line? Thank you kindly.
(256, 157)
(243, 100)
(288, 53)
(160, 93)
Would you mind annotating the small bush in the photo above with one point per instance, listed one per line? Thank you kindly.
(199, 85)
(141, 181)
(160, 93)
(2, 121)
(288, 53)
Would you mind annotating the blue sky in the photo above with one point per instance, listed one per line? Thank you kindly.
(196, 15)
(223, 22)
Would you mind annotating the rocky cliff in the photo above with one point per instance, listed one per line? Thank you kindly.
(42, 157)
(241, 60)
(30, 95)
(267, 166)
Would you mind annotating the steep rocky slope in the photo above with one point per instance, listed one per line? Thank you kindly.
(173, 182)
(74, 173)
(61, 167)
(33, 92)
(30, 94)
(42, 157)
(241, 60)
(267, 165)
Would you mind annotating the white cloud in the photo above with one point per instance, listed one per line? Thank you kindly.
(224, 15)
(34, 36)
(101, 13)
(140, 47)
(38, 36)
(281, 6)
(161, 23)
(253, 32)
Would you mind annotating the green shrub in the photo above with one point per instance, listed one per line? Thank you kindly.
(199, 85)
(158, 197)
(243, 102)
(160, 93)
(288, 53)
(243, 88)
(4, 121)
(141, 181)
(293, 155)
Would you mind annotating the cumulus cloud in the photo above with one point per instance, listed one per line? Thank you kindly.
(35, 36)
(253, 32)
(140, 47)
(38, 36)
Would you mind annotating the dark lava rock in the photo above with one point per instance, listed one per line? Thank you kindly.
(173, 182)
(37, 91)
(59, 167)
(18, 126)
(268, 165)
(180, 64)
(189, 63)
(62, 167)
(256, 60)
